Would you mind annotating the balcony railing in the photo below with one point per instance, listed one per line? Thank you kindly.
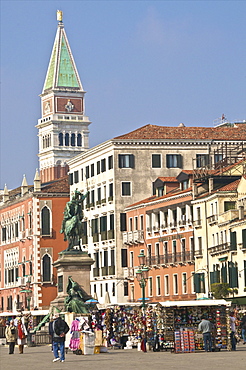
(197, 223)
(170, 258)
(213, 219)
(220, 248)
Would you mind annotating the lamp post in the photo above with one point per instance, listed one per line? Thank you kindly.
(142, 277)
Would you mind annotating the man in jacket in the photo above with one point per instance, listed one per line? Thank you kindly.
(206, 328)
(11, 336)
(60, 328)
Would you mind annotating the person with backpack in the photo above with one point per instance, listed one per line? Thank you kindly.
(60, 328)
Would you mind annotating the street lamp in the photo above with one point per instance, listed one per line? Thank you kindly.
(142, 278)
(27, 292)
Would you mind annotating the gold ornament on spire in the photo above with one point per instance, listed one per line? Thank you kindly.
(59, 14)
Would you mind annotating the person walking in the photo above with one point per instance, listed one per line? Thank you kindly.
(11, 336)
(243, 327)
(60, 330)
(206, 328)
(233, 331)
(22, 334)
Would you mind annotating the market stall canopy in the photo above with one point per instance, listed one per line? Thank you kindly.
(200, 302)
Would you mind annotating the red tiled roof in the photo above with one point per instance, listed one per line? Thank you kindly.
(154, 197)
(230, 187)
(151, 132)
(57, 186)
(168, 179)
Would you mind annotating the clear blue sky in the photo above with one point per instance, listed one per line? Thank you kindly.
(159, 62)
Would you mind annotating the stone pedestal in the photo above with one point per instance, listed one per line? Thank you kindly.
(74, 264)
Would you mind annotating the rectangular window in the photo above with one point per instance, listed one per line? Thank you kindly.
(175, 284)
(111, 221)
(103, 224)
(125, 288)
(202, 160)
(70, 179)
(111, 190)
(199, 283)
(82, 174)
(113, 289)
(99, 198)
(60, 283)
(87, 172)
(93, 197)
(76, 177)
(131, 259)
(184, 283)
(126, 188)
(98, 167)
(166, 281)
(124, 257)
(92, 170)
(135, 223)
(112, 257)
(244, 239)
(103, 165)
(126, 160)
(150, 286)
(158, 285)
(156, 161)
(200, 245)
(123, 222)
(229, 205)
(141, 223)
(110, 162)
(174, 161)
(218, 158)
(233, 240)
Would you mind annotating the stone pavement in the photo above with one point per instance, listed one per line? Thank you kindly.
(40, 358)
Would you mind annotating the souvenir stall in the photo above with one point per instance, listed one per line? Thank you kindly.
(178, 324)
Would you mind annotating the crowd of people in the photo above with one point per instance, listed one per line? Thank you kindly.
(16, 334)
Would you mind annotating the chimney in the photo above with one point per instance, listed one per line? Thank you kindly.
(37, 182)
(5, 194)
(24, 186)
(210, 185)
(194, 190)
(241, 212)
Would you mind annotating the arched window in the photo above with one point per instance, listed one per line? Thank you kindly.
(46, 262)
(79, 140)
(45, 221)
(73, 140)
(66, 139)
(61, 139)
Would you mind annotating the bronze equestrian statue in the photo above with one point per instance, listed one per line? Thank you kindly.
(72, 221)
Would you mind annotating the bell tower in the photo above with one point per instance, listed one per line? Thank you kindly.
(63, 129)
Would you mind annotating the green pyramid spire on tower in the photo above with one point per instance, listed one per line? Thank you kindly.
(62, 71)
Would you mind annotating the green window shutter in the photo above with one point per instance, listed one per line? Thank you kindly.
(197, 283)
(212, 277)
(233, 239)
(244, 238)
(234, 276)
(224, 273)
